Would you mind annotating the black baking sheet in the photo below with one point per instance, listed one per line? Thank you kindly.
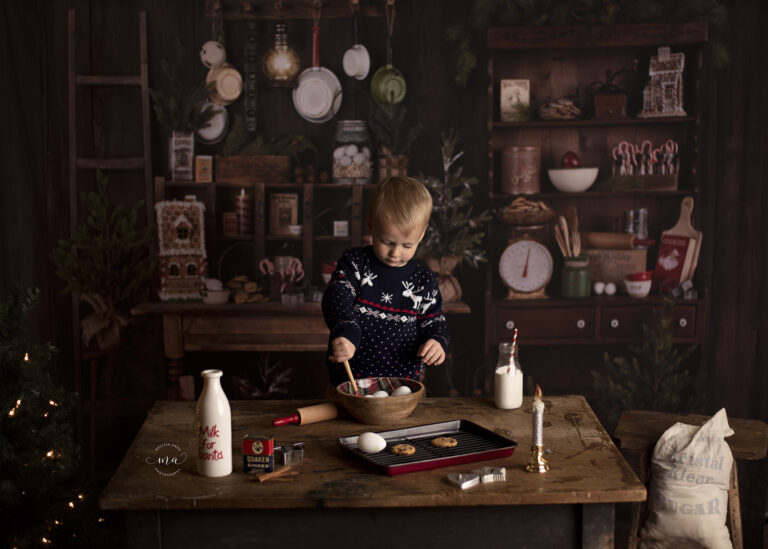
(475, 443)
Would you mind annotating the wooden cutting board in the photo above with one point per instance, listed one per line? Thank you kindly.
(679, 245)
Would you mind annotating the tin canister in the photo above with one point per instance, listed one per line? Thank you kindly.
(258, 453)
(521, 170)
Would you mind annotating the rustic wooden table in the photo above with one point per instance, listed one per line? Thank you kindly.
(266, 327)
(335, 500)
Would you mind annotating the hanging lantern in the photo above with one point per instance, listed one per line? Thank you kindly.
(281, 62)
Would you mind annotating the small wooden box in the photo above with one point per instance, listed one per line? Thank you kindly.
(203, 169)
(283, 212)
(613, 265)
(610, 106)
(253, 169)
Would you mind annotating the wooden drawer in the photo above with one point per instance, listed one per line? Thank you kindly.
(627, 322)
(546, 323)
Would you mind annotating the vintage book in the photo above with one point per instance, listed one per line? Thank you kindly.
(283, 212)
(514, 94)
(673, 262)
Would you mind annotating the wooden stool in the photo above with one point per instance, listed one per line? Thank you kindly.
(637, 434)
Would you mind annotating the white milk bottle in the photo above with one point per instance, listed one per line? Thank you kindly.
(508, 381)
(213, 427)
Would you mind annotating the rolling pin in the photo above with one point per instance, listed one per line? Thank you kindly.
(613, 241)
(309, 414)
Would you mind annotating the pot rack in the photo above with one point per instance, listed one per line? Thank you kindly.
(233, 10)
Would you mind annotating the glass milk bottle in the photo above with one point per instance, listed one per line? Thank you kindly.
(508, 381)
(213, 427)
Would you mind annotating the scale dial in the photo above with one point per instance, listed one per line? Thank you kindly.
(526, 266)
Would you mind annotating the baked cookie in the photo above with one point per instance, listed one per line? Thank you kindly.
(444, 442)
(403, 449)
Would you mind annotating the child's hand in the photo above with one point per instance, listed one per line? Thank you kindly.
(342, 348)
(431, 352)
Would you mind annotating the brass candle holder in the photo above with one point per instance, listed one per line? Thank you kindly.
(537, 463)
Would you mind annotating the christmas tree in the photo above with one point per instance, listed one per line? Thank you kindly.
(656, 377)
(37, 450)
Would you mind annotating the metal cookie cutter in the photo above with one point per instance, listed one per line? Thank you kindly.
(491, 474)
(464, 480)
(289, 453)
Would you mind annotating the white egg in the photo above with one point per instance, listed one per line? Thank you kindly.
(370, 443)
(367, 152)
(359, 159)
(401, 391)
(351, 150)
(338, 152)
(599, 288)
(380, 394)
(610, 288)
(345, 161)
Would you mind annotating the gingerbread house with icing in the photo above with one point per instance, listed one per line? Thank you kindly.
(663, 94)
(181, 242)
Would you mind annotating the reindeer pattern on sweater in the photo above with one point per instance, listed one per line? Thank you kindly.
(386, 312)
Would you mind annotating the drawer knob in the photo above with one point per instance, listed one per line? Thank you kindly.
(614, 323)
(683, 322)
(510, 324)
(580, 324)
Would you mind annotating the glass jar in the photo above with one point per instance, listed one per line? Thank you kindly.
(508, 378)
(574, 278)
(352, 153)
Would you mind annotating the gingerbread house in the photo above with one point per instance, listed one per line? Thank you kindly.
(181, 242)
(663, 94)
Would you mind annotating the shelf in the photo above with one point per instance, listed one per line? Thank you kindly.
(594, 123)
(283, 237)
(591, 194)
(331, 238)
(598, 36)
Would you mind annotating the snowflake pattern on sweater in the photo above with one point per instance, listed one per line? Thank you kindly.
(386, 312)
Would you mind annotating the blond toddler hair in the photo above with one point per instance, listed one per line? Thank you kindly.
(402, 201)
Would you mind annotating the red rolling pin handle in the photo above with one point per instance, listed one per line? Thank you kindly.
(286, 420)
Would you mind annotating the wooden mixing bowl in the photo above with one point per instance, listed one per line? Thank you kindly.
(380, 410)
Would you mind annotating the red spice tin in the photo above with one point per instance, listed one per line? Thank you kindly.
(258, 453)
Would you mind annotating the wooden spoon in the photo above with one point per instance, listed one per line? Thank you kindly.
(560, 241)
(566, 239)
(351, 377)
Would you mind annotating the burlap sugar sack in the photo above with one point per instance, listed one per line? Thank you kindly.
(688, 501)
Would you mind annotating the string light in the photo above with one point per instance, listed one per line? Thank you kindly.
(52, 403)
(45, 540)
(101, 519)
(13, 410)
(26, 357)
(57, 523)
(71, 504)
(81, 496)
(49, 453)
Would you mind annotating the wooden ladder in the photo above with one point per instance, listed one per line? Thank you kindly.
(77, 162)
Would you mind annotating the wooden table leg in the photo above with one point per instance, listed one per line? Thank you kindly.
(597, 523)
(173, 344)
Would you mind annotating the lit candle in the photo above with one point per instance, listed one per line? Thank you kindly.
(538, 418)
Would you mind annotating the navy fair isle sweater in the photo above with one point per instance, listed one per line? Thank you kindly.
(386, 312)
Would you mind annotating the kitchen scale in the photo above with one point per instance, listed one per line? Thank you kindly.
(526, 267)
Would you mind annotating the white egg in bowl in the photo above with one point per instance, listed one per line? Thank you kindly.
(380, 411)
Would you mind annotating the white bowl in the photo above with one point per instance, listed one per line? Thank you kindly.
(638, 288)
(573, 180)
(357, 62)
(215, 297)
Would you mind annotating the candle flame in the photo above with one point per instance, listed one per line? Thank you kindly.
(537, 395)
(26, 357)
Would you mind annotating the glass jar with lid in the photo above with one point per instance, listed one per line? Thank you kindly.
(575, 279)
(352, 153)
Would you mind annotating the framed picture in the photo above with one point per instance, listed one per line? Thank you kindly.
(514, 94)
(283, 212)
(182, 156)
